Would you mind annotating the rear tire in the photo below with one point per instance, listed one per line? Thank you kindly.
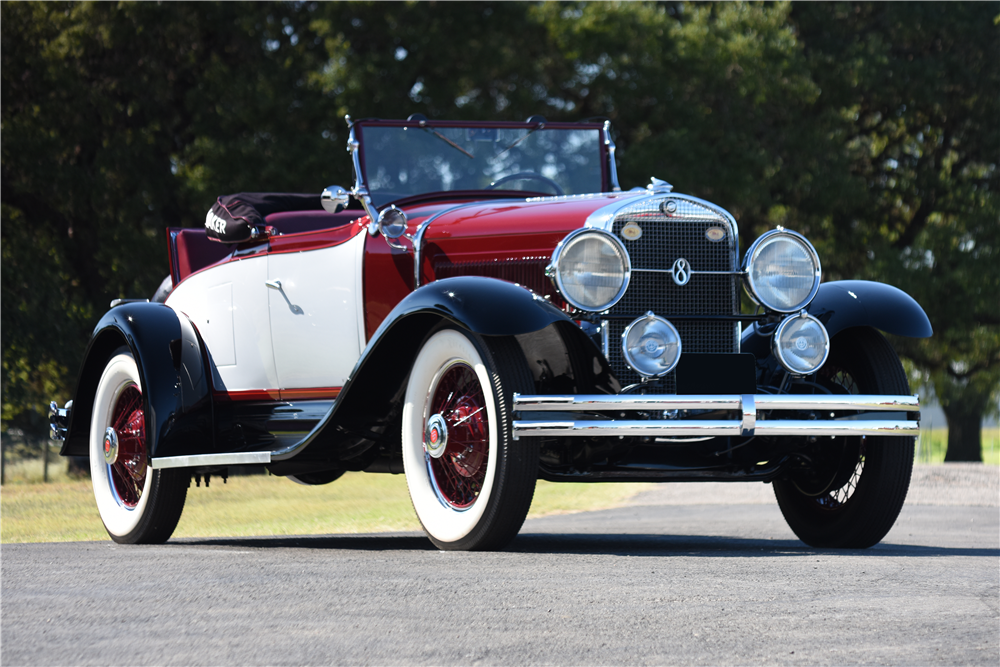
(852, 494)
(138, 505)
(470, 482)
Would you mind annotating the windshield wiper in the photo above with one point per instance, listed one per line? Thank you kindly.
(449, 142)
(540, 126)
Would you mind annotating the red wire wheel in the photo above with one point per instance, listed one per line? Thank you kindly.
(138, 504)
(128, 472)
(459, 472)
(471, 484)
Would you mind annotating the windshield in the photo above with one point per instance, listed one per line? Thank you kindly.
(405, 161)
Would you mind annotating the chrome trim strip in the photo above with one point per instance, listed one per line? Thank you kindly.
(582, 197)
(682, 427)
(418, 237)
(237, 458)
(654, 402)
(692, 272)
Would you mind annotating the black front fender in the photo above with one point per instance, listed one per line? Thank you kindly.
(371, 398)
(844, 304)
(177, 391)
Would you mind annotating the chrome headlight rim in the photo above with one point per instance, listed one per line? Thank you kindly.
(628, 357)
(553, 272)
(754, 251)
(776, 348)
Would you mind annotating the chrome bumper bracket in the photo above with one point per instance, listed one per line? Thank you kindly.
(59, 420)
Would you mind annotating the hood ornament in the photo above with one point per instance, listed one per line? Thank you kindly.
(659, 186)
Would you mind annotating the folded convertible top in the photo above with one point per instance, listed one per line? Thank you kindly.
(232, 218)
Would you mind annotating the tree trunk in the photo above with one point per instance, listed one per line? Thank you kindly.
(964, 436)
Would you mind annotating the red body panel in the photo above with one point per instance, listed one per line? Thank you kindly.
(507, 239)
(502, 238)
(322, 238)
(255, 395)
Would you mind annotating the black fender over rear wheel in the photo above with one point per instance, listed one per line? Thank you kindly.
(852, 494)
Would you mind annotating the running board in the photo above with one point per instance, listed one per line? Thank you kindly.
(199, 460)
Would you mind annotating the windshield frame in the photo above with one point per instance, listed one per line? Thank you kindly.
(356, 145)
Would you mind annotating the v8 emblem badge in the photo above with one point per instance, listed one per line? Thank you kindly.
(681, 271)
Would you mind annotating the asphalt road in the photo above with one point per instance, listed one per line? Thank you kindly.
(659, 581)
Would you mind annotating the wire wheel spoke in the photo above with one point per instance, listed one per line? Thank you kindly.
(459, 473)
(128, 472)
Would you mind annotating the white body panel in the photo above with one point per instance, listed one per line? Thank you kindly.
(317, 318)
(228, 305)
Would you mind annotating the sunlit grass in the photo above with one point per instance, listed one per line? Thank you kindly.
(64, 509)
(932, 444)
(264, 505)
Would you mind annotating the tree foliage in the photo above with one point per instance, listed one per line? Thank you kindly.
(871, 128)
(917, 87)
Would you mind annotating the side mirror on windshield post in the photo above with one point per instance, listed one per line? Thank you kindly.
(335, 198)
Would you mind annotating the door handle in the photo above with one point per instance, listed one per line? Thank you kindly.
(274, 284)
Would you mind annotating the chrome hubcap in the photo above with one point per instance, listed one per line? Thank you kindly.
(436, 436)
(110, 446)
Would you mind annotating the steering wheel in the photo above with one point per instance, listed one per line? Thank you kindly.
(527, 176)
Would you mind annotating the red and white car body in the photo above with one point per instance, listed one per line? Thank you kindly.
(477, 337)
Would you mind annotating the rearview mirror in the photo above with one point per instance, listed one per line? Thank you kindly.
(335, 198)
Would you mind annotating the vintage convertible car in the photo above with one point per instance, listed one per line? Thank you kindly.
(486, 308)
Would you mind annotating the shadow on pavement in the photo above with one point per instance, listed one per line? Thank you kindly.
(591, 544)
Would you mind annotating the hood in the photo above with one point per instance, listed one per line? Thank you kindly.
(507, 229)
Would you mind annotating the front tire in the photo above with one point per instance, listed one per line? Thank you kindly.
(471, 484)
(852, 494)
(138, 505)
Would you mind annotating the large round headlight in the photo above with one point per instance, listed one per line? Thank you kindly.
(782, 271)
(591, 269)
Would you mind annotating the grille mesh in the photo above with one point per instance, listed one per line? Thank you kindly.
(666, 237)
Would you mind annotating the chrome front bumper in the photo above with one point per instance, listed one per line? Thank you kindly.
(749, 406)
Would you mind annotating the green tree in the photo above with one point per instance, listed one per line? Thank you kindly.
(119, 120)
(917, 88)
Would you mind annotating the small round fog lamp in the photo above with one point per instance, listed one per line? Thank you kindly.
(651, 346)
(801, 343)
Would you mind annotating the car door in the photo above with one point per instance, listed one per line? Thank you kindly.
(228, 305)
(315, 303)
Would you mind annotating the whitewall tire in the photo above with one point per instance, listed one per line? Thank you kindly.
(137, 504)
(471, 484)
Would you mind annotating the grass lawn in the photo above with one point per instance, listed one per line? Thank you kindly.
(64, 510)
(932, 444)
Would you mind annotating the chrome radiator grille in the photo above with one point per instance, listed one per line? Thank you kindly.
(667, 235)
